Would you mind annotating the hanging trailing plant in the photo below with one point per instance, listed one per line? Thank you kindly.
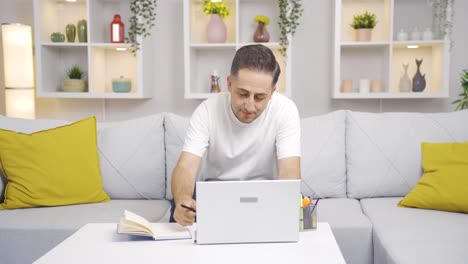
(141, 21)
(442, 17)
(290, 12)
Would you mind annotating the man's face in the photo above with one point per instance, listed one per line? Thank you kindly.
(250, 93)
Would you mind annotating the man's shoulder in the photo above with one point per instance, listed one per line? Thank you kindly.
(281, 101)
(216, 99)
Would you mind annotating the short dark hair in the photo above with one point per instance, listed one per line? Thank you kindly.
(256, 58)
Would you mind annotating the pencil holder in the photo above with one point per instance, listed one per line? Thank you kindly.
(308, 218)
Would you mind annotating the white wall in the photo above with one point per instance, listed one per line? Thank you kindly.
(311, 69)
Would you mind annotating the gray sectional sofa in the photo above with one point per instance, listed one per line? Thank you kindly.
(361, 164)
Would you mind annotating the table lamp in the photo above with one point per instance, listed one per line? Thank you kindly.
(18, 70)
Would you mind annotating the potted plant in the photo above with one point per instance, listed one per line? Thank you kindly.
(143, 15)
(363, 24)
(216, 29)
(290, 12)
(75, 82)
(261, 34)
(462, 103)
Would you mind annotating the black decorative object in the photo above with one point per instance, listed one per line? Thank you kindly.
(419, 80)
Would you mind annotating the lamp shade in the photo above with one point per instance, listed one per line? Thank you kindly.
(20, 103)
(18, 70)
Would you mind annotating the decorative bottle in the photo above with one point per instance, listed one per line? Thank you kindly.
(82, 31)
(419, 80)
(215, 82)
(117, 30)
(261, 34)
(405, 81)
(70, 31)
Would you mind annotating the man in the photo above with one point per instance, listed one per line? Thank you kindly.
(250, 133)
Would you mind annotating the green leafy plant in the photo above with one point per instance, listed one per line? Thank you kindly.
(290, 13)
(219, 8)
(442, 17)
(364, 20)
(141, 21)
(262, 19)
(75, 72)
(462, 103)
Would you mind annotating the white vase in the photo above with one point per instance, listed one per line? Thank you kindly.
(405, 81)
(402, 35)
(216, 30)
(364, 86)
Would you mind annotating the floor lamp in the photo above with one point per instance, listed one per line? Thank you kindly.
(18, 70)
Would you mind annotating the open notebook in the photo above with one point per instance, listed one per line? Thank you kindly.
(133, 224)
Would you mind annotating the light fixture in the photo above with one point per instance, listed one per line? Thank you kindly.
(412, 46)
(18, 70)
(71, 1)
(121, 49)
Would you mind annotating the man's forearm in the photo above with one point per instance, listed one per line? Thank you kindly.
(289, 168)
(182, 184)
(183, 177)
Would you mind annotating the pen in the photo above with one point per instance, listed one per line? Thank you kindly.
(188, 208)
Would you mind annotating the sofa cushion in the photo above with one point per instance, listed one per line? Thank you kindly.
(444, 185)
(51, 167)
(27, 234)
(24, 126)
(409, 235)
(175, 129)
(323, 165)
(131, 154)
(132, 158)
(352, 229)
(383, 150)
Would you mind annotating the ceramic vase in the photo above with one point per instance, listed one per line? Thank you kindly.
(405, 81)
(363, 34)
(216, 30)
(82, 31)
(419, 80)
(70, 31)
(261, 34)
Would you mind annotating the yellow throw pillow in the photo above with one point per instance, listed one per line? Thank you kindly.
(444, 185)
(52, 167)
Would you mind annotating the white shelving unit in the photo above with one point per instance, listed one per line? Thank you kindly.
(201, 58)
(382, 57)
(101, 60)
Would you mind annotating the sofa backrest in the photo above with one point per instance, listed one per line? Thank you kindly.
(323, 166)
(383, 150)
(323, 154)
(132, 158)
(131, 154)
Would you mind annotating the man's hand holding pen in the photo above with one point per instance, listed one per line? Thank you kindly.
(185, 211)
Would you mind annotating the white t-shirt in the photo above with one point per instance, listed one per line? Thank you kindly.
(232, 150)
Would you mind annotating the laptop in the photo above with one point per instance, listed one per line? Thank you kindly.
(247, 211)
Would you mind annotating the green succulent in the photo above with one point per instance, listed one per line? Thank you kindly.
(462, 103)
(75, 72)
(364, 20)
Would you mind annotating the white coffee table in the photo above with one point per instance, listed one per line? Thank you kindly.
(100, 243)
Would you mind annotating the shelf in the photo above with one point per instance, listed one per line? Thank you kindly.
(87, 95)
(101, 60)
(201, 58)
(364, 44)
(382, 57)
(410, 95)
